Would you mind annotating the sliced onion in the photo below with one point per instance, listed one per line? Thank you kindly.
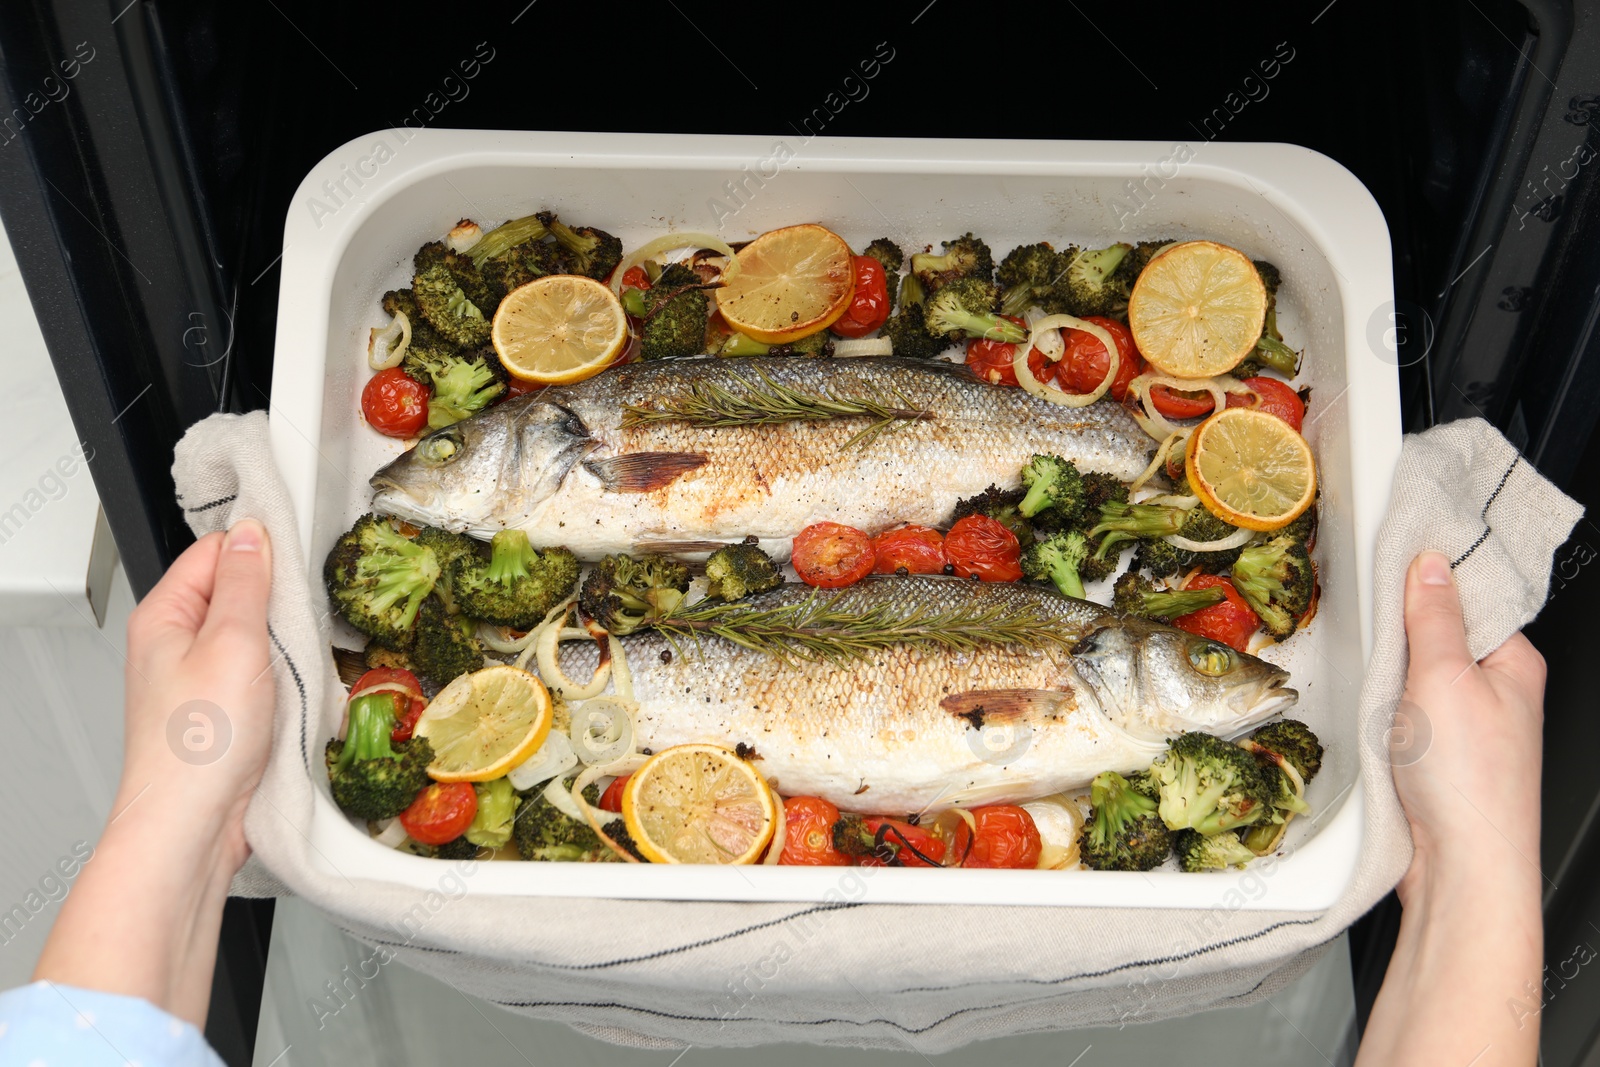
(602, 731)
(463, 235)
(1167, 444)
(493, 636)
(665, 243)
(1025, 378)
(560, 798)
(863, 346)
(1052, 345)
(621, 674)
(391, 834)
(625, 765)
(780, 832)
(1154, 423)
(1238, 539)
(1058, 819)
(550, 668)
(554, 758)
(1173, 500)
(382, 352)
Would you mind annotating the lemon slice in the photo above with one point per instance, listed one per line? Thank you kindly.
(485, 723)
(1251, 469)
(789, 283)
(1197, 309)
(559, 329)
(698, 804)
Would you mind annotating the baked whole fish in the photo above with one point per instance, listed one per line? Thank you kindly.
(909, 729)
(600, 467)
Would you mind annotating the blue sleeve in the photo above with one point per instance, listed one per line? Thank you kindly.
(51, 1025)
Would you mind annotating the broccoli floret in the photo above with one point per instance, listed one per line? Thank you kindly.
(1159, 557)
(447, 645)
(497, 806)
(542, 832)
(457, 849)
(675, 315)
(463, 384)
(1124, 831)
(1292, 740)
(966, 308)
(1276, 580)
(624, 594)
(1270, 351)
(1056, 559)
(1197, 852)
(463, 270)
(1087, 286)
(1053, 485)
(1001, 506)
(373, 777)
(812, 344)
(965, 257)
(1098, 568)
(907, 330)
(1210, 785)
(1134, 263)
(1134, 594)
(521, 264)
(444, 301)
(738, 571)
(512, 585)
(376, 655)
(1026, 275)
(377, 578)
(1121, 521)
(447, 548)
(588, 250)
(1201, 525)
(1098, 491)
(1303, 529)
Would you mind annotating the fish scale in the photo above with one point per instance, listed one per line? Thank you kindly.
(550, 463)
(910, 729)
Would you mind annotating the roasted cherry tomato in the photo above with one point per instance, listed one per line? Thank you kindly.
(869, 308)
(1175, 404)
(1276, 399)
(395, 403)
(898, 844)
(518, 387)
(1083, 365)
(1231, 622)
(830, 555)
(808, 834)
(917, 549)
(993, 361)
(979, 545)
(611, 799)
(409, 707)
(1006, 837)
(635, 278)
(442, 812)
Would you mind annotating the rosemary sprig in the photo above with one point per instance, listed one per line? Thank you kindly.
(766, 401)
(819, 628)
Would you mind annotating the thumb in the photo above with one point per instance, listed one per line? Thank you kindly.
(237, 615)
(1434, 628)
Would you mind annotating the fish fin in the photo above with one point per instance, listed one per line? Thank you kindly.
(641, 472)
(680, 548)
(998, 707)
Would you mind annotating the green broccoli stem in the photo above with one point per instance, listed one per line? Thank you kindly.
(1037, 498)
(911, 290)
(633, 303)
(989, 327)
(1172, 603)
(511, 557)
(739, 344)
(366, 737)
(1133, 521)
(506, 236)
(1277, 355)
(1066, 578)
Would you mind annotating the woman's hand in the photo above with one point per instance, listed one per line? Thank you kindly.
(1463, 983)
(142, 919)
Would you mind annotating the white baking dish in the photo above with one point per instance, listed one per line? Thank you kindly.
(364, 209)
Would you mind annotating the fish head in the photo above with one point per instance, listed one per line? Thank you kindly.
(500, 463)
(1157, 681)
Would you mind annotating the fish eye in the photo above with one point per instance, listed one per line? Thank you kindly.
(1212, 658)
(439, 448)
